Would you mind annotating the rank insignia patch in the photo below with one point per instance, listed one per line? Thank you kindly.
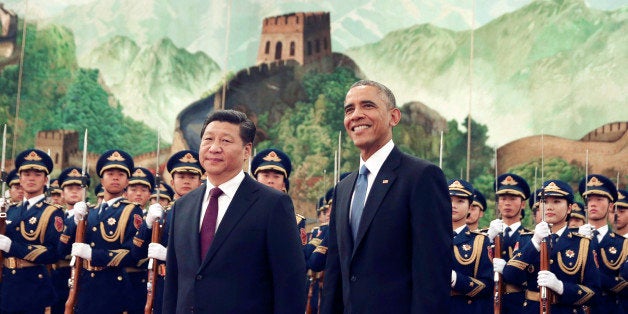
(137, 221)
(58, 223)
(111, 221)
(32, 221)
(612, 250)
(570, 253)
(466, 247)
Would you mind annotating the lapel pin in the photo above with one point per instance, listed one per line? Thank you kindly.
(384, 181)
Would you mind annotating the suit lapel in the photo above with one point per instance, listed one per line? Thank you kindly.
(384, 180)
(342, 205)
(196, 199)
(243, 199)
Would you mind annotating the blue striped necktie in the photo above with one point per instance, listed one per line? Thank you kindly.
(359, 198)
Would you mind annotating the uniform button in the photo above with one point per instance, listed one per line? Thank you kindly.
(199, 277)
(119, 278)
(354, 278)
(94, 229)
(93, 275)
(92, 244)
(40, 276)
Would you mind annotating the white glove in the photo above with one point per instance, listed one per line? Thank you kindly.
(541, 231)
(155, 211)
(496, 227)
(82, 250)
(498, 265)
(158, 251)
(453, 278)
(547, 279)
(80, 211)
(5, 243)
(586, 230)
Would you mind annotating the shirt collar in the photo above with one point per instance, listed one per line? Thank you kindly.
(112, 201)
(228, 188)
(603, 231)
(375, 162)
(514, 227)
(459, 229)
(33, 200)
(561, 230)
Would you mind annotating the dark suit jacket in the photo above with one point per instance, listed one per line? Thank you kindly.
(254, 265)
(401, 260)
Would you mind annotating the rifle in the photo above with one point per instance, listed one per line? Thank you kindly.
(76, 263)
(155, 238)
(310, 293)
(498, 289)
(5, 204)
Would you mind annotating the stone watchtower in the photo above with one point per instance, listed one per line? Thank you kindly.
(8, 31)
(303, 37)
(62, 144)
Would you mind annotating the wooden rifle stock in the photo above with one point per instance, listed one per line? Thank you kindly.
(76, 269)
(545, 295)
(310, 292)
(152, 271)
(498, 289)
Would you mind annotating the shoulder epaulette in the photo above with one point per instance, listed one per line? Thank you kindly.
(530, 233)
(477, 232)
(580, 235)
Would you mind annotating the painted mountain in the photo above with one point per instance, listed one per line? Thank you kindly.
(554, 67)
(155, 82)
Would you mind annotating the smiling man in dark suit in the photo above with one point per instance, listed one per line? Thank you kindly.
(390, 230)
(233, 247)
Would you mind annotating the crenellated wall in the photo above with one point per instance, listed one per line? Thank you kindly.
(607, 149)
(303, 37)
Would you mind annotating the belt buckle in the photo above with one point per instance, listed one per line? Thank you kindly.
(12, 263)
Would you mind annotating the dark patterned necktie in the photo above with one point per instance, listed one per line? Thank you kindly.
(208, 228)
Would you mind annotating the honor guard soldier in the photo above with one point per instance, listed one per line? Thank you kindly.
(620, 219)
(100, 194)
(29, 244)
(104, 284)
(533, 201)
(272, 167)
(572, 278)
(16, 193)
(471, 276)
(477, 211)
(72, 190)
(54, 192)
(576, 218)
(141, 185)
(599, 194)
(165, 193)
(316, 254)
(512, 191)
(185, 169)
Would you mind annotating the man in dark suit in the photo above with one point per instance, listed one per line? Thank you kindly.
(250, 261)
(390, 231)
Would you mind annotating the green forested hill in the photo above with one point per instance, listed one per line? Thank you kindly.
(57, 94)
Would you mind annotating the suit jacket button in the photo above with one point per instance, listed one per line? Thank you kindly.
(354, 278)
(199, 277)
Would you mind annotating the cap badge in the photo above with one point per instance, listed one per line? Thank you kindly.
(74, 173)
(115, 156)
(139, 173)
(188, 158)
(272, 156)
(552, 187)
(594, 182)
(32, 156)
(456, 185)
(509, 181)
(621, 196)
